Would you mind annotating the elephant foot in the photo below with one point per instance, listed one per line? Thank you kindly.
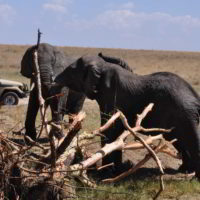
(187, 169)
(105, 173)
(32, 135)
(57, 133)
(123, 167)
(113, 171)
(197, 174)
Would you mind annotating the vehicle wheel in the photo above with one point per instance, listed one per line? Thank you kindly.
(10, 98)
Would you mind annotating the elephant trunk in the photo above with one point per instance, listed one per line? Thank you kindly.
(47, 79)
(61, 79)
(46, 74)
(27, 68)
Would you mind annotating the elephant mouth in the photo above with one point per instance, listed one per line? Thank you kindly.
(93, 94)
(95, 90)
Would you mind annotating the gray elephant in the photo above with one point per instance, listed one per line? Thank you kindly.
(177, 105)
(52, 62)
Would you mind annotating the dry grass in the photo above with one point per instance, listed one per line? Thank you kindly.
(186, 64)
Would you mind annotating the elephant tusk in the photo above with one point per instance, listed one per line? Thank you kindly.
(32, 85)
(95, 90)
(55, 84)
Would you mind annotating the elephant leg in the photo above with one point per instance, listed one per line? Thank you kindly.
(116, 156)
(111, 135)
(74, 104)
(189, 138)
(58, 105)
(194, 150)
(33, 106)
(186, 166)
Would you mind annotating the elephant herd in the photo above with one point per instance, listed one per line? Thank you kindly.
(111, 82)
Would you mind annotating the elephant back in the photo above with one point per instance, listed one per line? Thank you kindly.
(62, 61)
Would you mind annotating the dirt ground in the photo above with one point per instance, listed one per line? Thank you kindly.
(23, 101)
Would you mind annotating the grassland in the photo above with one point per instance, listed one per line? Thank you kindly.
(144, 184)
(186, 64)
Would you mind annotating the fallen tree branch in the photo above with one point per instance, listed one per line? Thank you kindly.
(42, 109)
(138, 126)
(66, 140)
(137, 166)
(108, 123)
(150, 140)
(118, 144)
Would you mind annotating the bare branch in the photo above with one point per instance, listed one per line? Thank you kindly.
(140, 117)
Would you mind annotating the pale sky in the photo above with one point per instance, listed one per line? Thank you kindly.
(132, 24)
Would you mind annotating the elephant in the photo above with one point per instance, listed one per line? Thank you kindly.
(52, 62)
(177, 105)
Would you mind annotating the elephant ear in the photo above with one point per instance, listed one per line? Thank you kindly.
(91, 78)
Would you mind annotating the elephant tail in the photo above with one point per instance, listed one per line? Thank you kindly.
(115, 60)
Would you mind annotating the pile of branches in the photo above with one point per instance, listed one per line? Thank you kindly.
(48, 174)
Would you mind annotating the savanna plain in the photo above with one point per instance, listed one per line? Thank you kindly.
(144, 183)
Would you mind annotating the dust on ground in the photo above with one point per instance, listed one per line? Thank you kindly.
(23, 101)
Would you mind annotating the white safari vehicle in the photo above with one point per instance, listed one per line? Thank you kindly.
(11, 91)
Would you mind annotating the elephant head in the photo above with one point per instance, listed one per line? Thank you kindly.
(82, 76)
(46, 59)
